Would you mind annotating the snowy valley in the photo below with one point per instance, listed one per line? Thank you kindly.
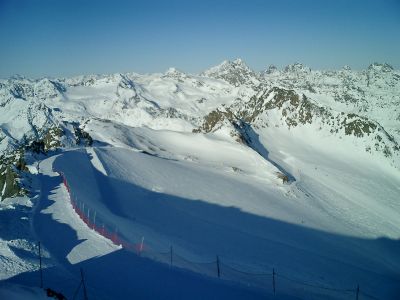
(229, 184)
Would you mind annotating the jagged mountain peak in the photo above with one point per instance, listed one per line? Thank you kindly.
(297, 68)
(25, 89)
(378, 67)
(238, 63)
(173, 72)
(17, 77)
(235, 72)
(50, 84)
(82, 80)
(125, 82)
(346, 68)
(270, 70)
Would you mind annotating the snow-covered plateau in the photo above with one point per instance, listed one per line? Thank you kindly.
(230, 184)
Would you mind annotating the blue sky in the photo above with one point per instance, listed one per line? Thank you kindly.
(63, 38)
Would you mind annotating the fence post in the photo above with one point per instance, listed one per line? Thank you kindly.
(114, 237)
(40, 267)
(84, 286)
(77, 290)
(218, 270)
(171, 255)
(94, 220)
(141, 246)
(357, 291)
(273, 279)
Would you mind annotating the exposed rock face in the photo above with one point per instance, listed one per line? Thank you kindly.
(296, 110)
(11, 167)
(82, 137)
(297, 68)
(235, 72)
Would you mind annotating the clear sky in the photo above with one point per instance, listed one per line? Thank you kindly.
(63, 38)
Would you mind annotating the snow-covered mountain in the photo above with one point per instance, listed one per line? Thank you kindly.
(300, 165)
(235, 72)
(180, 101)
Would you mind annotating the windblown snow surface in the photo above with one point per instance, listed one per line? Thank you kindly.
(187, 206)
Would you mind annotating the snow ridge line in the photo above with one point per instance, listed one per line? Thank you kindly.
(211, 268)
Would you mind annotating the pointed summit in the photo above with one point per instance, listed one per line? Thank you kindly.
(297, 68)
(235, 72)
(172, 70)
(377, 67)
(346, 68)
(125, 82)
(240, 62)
(174, 73)
(18, 77)
(270, 70)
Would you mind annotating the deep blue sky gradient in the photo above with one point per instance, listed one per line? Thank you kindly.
(63, 38)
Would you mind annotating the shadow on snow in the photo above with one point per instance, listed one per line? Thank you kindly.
(299, 252)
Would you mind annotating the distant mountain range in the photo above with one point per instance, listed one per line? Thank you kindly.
(357, 107)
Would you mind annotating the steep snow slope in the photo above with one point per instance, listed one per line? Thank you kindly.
(203, 150)
(321, 225)
(360, 193)
(110, 271)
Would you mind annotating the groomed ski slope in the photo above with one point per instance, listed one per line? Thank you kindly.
(110, 271)
(205, 195)
(250, 221)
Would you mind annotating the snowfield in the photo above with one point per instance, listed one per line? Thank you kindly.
(178, 186)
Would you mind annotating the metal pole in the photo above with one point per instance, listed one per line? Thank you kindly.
(357, 291)
(115, 236)
(94, 220)
(84, 286)
(273, 279)
(171, 255)
(218, 270)
(77, 290)
(141, 246)
(40, 266)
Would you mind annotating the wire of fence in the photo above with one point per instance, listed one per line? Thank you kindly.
(314, 285)
(213, 268)
(368, 296)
